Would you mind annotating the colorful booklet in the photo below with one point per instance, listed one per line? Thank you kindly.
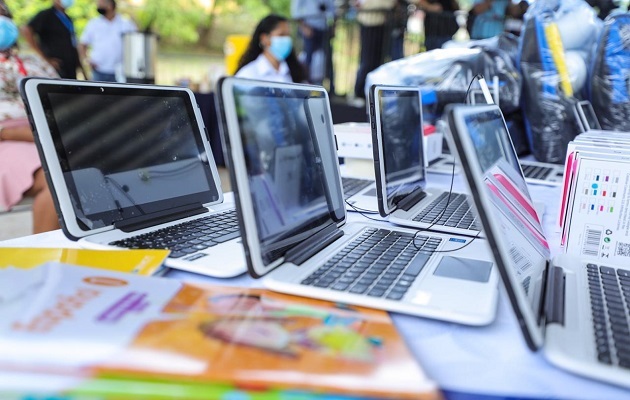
(102, 334)
(141, 262)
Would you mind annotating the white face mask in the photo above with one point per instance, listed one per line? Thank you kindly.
(67, 3)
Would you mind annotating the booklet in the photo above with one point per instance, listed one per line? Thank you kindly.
(141, 262)
(102, 334)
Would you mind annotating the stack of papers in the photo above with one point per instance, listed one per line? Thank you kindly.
(595, 204)
(89, 333)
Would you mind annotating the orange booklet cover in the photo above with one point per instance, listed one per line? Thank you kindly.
(108, 328)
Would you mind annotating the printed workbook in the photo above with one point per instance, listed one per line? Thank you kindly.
(89, 333)
(141, 262)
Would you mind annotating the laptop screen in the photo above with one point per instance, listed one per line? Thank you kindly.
(127, 152)
(289, 150)
(401, 137)
(488, 152)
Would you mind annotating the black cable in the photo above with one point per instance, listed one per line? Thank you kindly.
(450, 191)
(362, 213)
(359, 209)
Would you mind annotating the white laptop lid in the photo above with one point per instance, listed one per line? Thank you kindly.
(514, 240)
(121, 156)
(262, 121)
(396, 114)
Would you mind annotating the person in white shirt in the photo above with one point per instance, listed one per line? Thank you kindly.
(104, 36)
(270, 55)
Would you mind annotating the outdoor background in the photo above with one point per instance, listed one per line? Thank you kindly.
(192, 33)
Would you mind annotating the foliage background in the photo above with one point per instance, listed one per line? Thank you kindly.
(180, 24)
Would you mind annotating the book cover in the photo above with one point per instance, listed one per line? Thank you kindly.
(113, 335)
(141, 262)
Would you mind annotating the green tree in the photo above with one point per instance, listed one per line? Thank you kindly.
(80, 12)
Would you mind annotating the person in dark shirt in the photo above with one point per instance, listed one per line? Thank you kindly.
(439, 22)
(56, 40)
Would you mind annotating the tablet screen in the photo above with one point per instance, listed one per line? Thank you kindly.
(401, 136)
(127, 152)
(291, 163)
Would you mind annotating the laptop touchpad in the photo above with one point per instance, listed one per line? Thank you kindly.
(464, 268)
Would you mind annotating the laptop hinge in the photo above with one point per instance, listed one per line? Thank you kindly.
(311, 246)
(411, 199)
(554, 295)
(160, 217)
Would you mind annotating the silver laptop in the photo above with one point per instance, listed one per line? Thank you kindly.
(536, 173)
(575, 312)
(307, 248)
(129, 166)
(401, 182)
(586, 117)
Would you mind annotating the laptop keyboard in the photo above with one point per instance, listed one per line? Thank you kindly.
(610, 304)
(458, 214)
(352, 186)
(535, 171)
(379, 263)
(188, 237)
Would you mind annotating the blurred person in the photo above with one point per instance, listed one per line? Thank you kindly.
(399, 27)
(489, 18)
(104, 36)
(21, 173)
(515, 14)
(312, 17)
(56, 40)
(372, 17)
(270, 55)
(439, 22)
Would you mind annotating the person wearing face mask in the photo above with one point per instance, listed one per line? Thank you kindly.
(104, 36)
(270, 55)
(52, 35)
(21, 173)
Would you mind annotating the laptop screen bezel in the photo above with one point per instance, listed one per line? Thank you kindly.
(378, 145)
(48, 142)
(233, 146)
(461, 143)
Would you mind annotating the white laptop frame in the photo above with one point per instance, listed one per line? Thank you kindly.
(51, 159)
(234, 144)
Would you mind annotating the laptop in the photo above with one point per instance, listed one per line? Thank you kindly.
(309, 248)
(129, 166)
(536, 173)
(586, 117)
(401, 179)
(575, 312)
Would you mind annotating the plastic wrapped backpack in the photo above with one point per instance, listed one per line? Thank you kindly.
(610, 74)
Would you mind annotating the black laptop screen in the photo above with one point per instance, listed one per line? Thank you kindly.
(127, 152)
(291, 164)
(401, 135)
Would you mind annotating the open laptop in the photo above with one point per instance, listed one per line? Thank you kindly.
(576, 312)
(537, 173)
(586, 117)
(129, 166)
(308, 248)
(401, 182)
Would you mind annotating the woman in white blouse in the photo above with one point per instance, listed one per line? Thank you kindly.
(269, 55)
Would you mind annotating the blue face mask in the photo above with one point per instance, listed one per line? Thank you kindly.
(281, 47)
(8, 33)
(67, 3)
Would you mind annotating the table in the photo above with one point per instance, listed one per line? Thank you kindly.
(466, 362)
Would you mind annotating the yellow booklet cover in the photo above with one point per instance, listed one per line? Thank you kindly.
(141, 262)
(112, 335)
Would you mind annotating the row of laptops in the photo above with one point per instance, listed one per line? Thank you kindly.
(299, 239)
